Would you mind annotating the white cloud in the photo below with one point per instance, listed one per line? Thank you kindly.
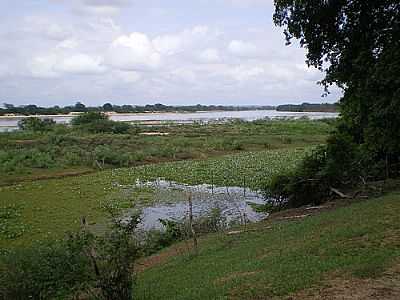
(250, 2)
(244, 73)
(4, 71)
(159, 63)
(43, 66)
(67, 44)
(242, 49)
(172, 44)
(128, 76)
(183, 74)
(114, 3)
(200, 30)
(45, 27)
(168, 44)
(101, 7)
(80, 64)
(55, 65)
(133, 52)
(210, 55)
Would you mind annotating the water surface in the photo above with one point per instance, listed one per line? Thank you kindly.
(234, 203)
(11, 123)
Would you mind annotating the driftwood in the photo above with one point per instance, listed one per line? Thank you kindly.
(315, 207)
(247, 230)
(295, 217)
(340, 194)
(235, 232)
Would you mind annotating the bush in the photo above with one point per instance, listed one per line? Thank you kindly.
(88, 118)
(44, 272)
(96, 122)
(15, 159)
(107, 155)
(82, 263)
(36, 124)
(306, 185)
(120, 127)
(335, 165)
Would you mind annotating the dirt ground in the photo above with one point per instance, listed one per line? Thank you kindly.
(386, 287)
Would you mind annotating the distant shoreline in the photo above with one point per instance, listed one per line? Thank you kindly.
(16, 116)
(125, 114)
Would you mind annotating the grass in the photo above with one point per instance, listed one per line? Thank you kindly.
(27, 155)
(249, 169)
(48, 208)
(360, 240)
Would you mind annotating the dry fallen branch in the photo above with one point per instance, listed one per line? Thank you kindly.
(315, 207)
(295, 217)
(248, 230)
(340, 194)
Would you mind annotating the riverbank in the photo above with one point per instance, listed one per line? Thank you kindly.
(155, 118)
(345, 250)
(47, 209)
(27, 156)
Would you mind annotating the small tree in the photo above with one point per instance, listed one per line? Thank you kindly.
(80, 107)
(36, 124)
(108, 107)
(98, 122)
(89, 118)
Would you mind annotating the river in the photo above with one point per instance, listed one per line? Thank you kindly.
(9, 123)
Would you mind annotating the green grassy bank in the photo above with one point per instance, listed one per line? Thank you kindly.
(277, 258)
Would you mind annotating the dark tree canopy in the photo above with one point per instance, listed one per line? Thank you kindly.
(80, 106)
(108, 107)
(357, 44)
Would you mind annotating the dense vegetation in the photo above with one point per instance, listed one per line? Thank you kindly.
(81, 264)
(309, 107)
(46, 209)
(357, 45)
(33, 109)
(93, 142)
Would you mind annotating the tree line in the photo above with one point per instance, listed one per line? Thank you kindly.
(309, 107)
(33, 109)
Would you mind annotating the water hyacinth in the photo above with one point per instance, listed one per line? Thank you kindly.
(252, 169)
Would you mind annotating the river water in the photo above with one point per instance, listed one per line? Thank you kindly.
(235, 204)
(11, 123)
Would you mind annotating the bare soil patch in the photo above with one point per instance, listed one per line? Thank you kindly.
(386, 287)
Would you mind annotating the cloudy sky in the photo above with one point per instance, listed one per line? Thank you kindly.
(148, 51)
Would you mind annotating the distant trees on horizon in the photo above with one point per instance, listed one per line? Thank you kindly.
(33, 109)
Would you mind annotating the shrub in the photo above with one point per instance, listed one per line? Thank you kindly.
(36, 124)
(335, 165)
(82, 263)
(306, 185)
(15, 159)
(120, 127)
(88, 118)
(97, 122)
(155, 240)
(44, 272)
(108, 155)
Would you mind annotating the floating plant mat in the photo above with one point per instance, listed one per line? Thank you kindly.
(171, 198)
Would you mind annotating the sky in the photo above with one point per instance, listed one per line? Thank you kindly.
(175, 52)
